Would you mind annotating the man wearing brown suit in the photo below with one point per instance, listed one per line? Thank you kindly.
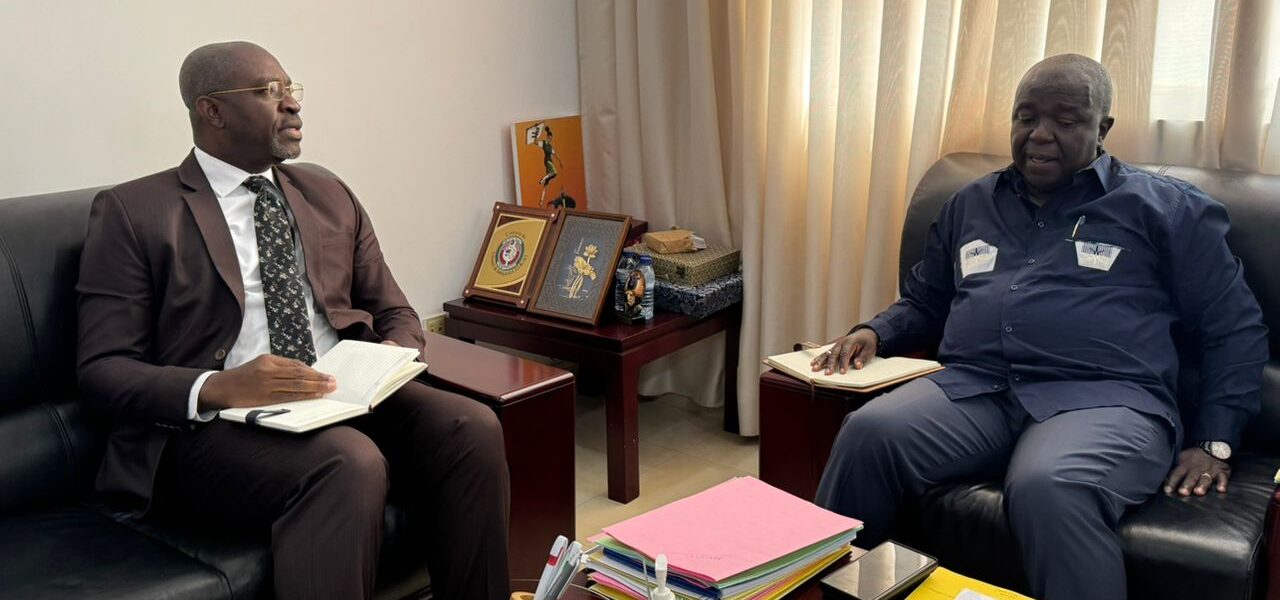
(215, 285)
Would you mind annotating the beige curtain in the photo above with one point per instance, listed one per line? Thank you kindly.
(797, 129)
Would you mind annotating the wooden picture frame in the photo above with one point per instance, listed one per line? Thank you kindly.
(512, 254)
(578, 276)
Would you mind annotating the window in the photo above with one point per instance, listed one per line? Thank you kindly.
(1184, 48)
(1273, 61)
(1180, 71)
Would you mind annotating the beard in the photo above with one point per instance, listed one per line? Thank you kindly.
(285, 151)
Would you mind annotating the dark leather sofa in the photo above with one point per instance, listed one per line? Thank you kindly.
(57, 540)
(1204, 548)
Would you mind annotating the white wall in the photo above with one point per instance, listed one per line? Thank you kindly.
(410, 101)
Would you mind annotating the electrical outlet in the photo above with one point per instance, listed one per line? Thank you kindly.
(435, 323)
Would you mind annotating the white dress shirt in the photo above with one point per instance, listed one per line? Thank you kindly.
(237, 203)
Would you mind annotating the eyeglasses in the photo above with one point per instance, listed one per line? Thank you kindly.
(276, 90)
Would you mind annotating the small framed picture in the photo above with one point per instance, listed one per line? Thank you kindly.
(548, 159)
(579, 275)
(512, 254)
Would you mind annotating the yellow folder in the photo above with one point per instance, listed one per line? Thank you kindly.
(949, 585)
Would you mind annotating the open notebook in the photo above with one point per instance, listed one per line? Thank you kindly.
(367, 373)
(875, 374)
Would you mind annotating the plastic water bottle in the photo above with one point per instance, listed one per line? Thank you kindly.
(625, 265)
(646, 306)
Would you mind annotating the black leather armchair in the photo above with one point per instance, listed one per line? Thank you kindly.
(1210, 547)
(56, 540)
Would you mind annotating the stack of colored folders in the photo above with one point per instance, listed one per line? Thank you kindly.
(742, 539)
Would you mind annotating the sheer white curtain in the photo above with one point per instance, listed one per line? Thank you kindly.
(796, 129)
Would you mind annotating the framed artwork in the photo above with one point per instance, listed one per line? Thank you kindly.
(512, 254)
(548, 159)
(579, 274)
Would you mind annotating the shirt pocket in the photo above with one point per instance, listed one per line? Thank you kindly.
(1097, 255)
(977, 256)
(1109, 255)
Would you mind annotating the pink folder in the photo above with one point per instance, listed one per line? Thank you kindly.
(733, 527)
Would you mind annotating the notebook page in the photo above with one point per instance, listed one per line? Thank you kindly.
(875, 371)
(304, 412)
(301, 416)
(407, 372)
(362, 368)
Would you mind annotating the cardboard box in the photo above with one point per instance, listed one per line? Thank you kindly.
(671, 241)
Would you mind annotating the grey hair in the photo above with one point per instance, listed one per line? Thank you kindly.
(209, 68)
(1094, 74)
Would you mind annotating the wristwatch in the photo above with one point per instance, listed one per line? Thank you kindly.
(1218, 450)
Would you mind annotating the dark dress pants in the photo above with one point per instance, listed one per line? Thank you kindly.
(1068, 479)
(322, 493)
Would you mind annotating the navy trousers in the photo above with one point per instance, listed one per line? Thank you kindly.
(1067, 481)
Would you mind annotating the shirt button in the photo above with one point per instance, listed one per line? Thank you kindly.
(1017, 378)
(1008, 329)
(1040, 224)
(219, 354)
(1031, 261)
(995, 386)
(1014, 287)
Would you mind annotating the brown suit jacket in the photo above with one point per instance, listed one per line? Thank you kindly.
(161, 300)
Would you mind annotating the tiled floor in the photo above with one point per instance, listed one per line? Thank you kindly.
(683, 450)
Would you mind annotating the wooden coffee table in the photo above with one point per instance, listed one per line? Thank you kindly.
(615, 351)
(809, 590)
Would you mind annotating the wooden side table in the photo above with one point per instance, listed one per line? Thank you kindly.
(534, 402)
(615, 350)
(798, 426)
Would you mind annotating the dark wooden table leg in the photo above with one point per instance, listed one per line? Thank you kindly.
(622, 429)
(732, 333)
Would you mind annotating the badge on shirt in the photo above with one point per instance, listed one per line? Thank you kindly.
(1096, 255)
(977, 257)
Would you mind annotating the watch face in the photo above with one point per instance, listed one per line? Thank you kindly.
(1218, 450)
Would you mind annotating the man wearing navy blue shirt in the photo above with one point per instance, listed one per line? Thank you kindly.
(1055, 287)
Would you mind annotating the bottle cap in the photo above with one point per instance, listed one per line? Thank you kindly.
(646, 259)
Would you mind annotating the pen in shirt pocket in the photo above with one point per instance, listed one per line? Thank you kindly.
(1076, 229)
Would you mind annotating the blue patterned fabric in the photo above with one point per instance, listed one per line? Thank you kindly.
(700, 300)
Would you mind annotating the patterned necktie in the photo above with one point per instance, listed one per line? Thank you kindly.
(287, 324)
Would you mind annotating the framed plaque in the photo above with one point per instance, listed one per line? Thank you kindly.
(578, 277)
(512, 254)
